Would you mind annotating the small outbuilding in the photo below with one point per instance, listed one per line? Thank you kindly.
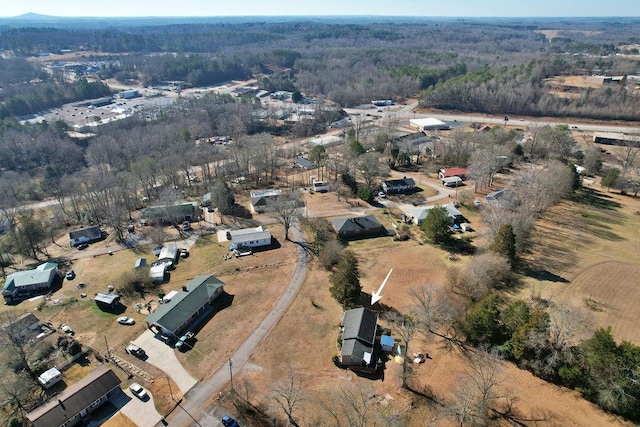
(387, 342)
(169, 252)
(107, 300)
(49, 378)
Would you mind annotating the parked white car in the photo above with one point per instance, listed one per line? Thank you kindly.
(126, 320)
(138, 390)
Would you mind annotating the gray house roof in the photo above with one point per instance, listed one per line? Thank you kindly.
(358, 334)
(23, 325)
(75, 398)
(183, 305)
(244, 235)
(171, 213)
(399, 184)
(360, 323)
(93, 232)
(108, 299)
(305, 164)
(357, 226)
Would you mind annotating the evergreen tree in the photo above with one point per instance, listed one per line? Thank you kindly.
(504, 242)
(345, 281)
(222, 197)
(611, 178)
(436, 225)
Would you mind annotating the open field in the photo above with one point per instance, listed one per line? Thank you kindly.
(305, 339)
(586, 255)
(552, 34)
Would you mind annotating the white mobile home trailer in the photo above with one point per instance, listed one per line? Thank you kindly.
(452, 181)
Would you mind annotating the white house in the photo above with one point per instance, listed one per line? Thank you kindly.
(251, 237)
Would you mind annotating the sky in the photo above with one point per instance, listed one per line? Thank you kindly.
(437, 8)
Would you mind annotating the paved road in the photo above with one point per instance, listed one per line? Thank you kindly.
(196, 399)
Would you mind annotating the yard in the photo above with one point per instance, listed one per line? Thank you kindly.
(305, 339)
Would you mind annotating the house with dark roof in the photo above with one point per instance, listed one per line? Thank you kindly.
(359, 327)
(172, 318)
(355, 227)
(25, 284)
(77, 401)
(399, 185)
(171, 214)
(305, 164)
(25, 328)
(86, 235)
(264, 200)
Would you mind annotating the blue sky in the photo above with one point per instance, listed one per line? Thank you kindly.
(466, 8)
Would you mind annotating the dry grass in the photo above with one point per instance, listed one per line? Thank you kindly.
(586, 256)
(119, 420)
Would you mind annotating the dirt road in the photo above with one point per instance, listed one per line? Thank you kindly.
(195, 400)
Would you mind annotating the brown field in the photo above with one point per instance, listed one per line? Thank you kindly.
(580, 82)
(552, 34)
(588, 254)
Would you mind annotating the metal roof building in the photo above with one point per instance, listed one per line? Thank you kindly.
(174, 316)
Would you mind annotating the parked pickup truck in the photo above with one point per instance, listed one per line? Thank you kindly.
(183, 340)
(135, 350)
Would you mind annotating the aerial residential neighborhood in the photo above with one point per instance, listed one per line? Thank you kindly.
(369, 219)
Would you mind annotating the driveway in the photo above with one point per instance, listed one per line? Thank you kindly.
(163, 357)
(142, 412)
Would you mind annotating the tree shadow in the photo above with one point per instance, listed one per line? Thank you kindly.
(541, 274)
(594, 198)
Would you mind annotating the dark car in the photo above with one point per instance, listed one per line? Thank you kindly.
(82, 246)
(227, 421)
(70, 275)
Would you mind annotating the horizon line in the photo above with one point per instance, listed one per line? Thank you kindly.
(26, 16)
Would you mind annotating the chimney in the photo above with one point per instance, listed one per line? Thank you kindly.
(184, 288)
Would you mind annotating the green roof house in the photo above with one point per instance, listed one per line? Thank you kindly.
(173, 317)
(25, 284)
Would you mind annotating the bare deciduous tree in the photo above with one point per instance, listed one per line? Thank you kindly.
(288, 393)
(288, 208)
(350, 406)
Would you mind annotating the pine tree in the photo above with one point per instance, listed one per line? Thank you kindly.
(345, 281)
(436, 225)
(504, 243)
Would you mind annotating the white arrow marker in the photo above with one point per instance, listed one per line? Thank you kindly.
(375, 297)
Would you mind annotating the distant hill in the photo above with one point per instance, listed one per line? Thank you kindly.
(35, 17)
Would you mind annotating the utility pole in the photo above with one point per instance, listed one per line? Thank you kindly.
(231, 374)
(170, 391)
(107, 344)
